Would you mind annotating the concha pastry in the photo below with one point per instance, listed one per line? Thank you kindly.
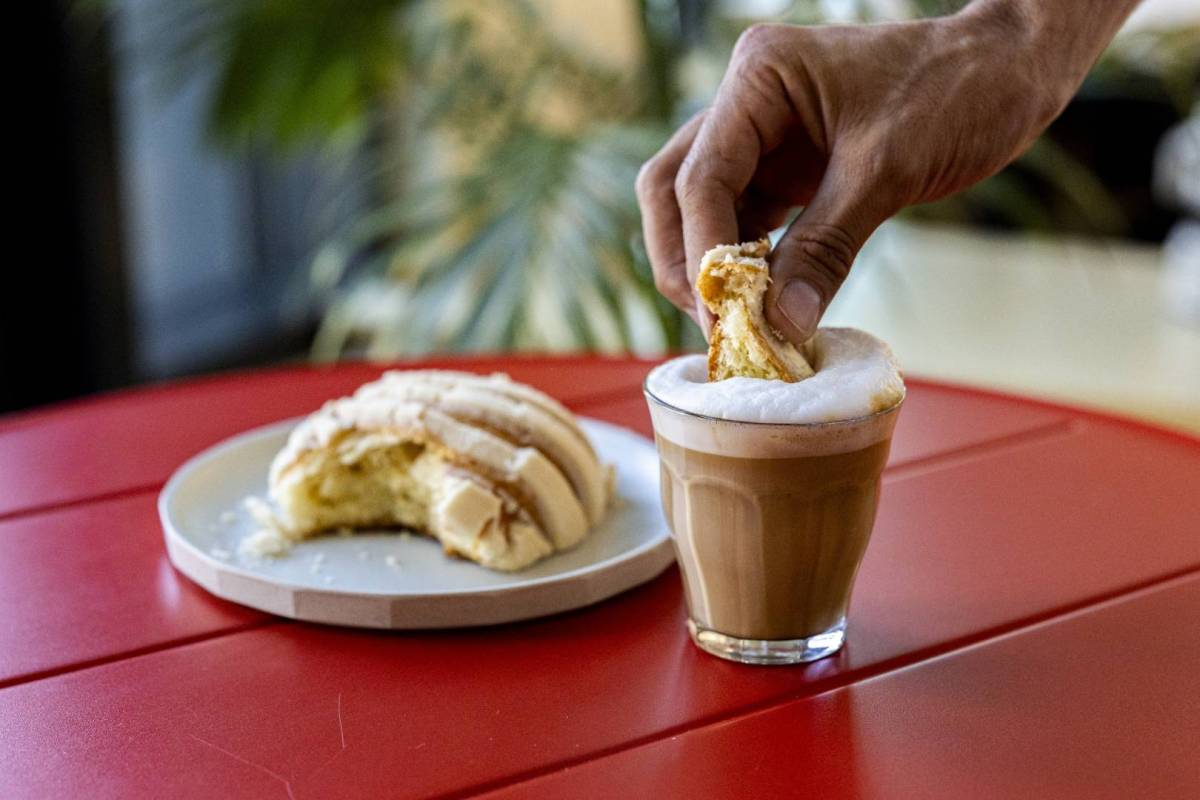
(496, 471)
(732, 281)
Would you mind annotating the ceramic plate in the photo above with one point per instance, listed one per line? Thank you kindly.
(387, 579)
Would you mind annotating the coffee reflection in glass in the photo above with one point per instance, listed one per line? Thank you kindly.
(771, 522)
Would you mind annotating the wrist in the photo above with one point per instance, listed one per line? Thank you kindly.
(1058, 41)
(1027, 43)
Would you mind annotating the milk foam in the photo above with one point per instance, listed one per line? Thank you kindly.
(856, 375)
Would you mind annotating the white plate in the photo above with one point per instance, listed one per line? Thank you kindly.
(352, 581)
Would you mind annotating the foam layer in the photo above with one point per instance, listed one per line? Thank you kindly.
(856, 376)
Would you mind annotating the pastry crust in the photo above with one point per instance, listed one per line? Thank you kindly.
(497, 472)
(732, 282)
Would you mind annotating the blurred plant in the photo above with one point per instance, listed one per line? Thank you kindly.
(518, 227)
(1165, 62)
(501, 156)
(501, 160)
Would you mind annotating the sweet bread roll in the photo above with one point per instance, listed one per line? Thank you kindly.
(732, 282)
(498, 472)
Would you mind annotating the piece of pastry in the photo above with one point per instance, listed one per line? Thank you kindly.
(732, 281)
(498, 472)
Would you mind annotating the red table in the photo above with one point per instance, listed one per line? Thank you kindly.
(1026, 624)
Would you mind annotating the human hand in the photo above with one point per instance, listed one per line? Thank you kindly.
(854, 123)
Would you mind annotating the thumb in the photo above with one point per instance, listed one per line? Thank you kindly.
(812, 259)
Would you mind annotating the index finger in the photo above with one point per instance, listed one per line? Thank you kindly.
(661, 223)
(715, 172)
(748, 119)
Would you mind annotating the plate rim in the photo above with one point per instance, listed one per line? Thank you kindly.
(173, 536)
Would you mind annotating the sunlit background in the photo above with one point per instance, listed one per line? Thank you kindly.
(244, 182)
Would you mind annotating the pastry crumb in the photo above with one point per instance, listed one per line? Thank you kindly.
(270, 539)
(261, 512)
(265, 542)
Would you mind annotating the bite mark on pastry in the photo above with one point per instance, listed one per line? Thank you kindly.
(497, 472)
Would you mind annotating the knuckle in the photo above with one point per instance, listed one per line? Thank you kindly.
(671, 284)
(644, 183)
(756, 70)
(828, 251)
(654, 181)
(753, 41)
(698, 181)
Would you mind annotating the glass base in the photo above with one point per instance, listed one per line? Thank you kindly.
(770, 651)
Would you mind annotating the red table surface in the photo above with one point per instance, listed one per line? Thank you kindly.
(1031, 566)
(1023, 715)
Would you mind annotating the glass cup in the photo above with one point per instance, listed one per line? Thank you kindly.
(771, 522)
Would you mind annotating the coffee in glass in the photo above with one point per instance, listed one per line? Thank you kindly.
(771, 491)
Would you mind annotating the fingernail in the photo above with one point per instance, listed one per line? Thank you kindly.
(800, 304)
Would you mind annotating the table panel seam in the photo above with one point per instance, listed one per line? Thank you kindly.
(965, 454)
(1086, 413)
(126, 655)
(916, 659)
(64, 505)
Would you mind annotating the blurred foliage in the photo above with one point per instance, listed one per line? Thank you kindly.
(537, 251)
(501, 158)
(1165, 62)
(286, 73)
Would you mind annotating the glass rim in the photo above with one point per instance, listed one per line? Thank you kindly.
(759, 423)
